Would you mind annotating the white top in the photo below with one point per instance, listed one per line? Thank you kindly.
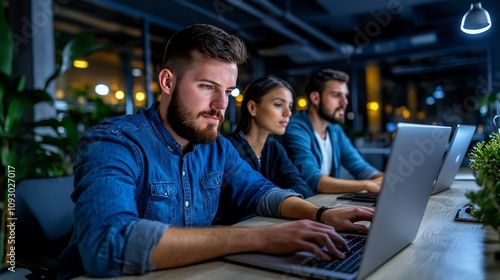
(325, 146)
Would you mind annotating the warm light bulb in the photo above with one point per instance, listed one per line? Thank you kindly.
(372, 106)
(140, 96)
(119, 94)
(302, 102)
(80, 63)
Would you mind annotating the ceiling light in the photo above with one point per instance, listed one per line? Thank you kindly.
(476, 20)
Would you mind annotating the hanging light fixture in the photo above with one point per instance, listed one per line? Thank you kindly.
(476, 20)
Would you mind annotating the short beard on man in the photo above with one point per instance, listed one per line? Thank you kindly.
(330, 118)
(184, 123)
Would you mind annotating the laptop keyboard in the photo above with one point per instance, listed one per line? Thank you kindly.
(352, 260)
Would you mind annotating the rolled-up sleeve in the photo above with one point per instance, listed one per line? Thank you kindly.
(269, 204)
(112, 239)
(137, 253)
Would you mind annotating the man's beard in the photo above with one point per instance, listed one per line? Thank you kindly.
(330, 118)
(184, 123)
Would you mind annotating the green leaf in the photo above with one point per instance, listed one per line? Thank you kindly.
(72, 134)
(80, 46)
(22, 103)
(51, 78)
(485, 160)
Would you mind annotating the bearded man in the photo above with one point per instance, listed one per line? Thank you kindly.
(147, 185)
(317, 144)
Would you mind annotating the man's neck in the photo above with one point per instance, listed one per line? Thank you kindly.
(318, 123)
(184, 143)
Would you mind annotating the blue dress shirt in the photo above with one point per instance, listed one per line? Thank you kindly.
(132, 182)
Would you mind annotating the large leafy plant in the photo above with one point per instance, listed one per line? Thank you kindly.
(24, 150)
(31, 154)
(485, 161)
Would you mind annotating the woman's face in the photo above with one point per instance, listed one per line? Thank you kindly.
(274, 110)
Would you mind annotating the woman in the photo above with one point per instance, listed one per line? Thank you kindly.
(265, 111)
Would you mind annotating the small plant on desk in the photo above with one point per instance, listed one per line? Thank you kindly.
(485, 161)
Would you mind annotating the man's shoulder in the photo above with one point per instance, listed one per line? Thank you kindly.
(335, 128)
(120, 124)
(299, 121)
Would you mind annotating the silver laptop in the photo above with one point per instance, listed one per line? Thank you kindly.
(454, 156)
(415, 159)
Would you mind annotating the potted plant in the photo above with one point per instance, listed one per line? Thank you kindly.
(32, 155)
(485, 161)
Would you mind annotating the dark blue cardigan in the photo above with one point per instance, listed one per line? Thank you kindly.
(274, 165)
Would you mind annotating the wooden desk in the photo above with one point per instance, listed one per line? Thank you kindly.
(443, 248)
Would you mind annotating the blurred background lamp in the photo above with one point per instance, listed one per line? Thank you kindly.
(235, 92)
(80, 63)
(140, 96)
(136, 72)
(302, 102)
(101, 89)
(476, 20)
(430, 100)
(239, 98)
(438, 93)
(119, 94)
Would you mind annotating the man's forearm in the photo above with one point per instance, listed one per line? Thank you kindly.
(329, 184)
(297, 208)
(184, 246)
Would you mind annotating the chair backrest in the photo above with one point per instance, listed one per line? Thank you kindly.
(44, 210)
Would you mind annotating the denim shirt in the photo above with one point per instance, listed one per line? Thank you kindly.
(132, 182)
(304, 151)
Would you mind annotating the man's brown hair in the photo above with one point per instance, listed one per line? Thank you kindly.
(208, 40)
(317, 81)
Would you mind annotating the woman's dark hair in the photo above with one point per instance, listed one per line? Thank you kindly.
(317, 81)
(208, 40)
(255, 91)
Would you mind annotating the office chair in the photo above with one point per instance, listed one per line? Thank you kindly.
(44, 224)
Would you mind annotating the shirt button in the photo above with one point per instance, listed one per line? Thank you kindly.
(186, 203)
(183, 173)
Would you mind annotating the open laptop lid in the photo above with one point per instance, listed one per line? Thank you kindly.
(455, 155)
(413, 165)
(414, 161)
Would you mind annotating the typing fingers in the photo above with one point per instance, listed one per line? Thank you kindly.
(324, 236)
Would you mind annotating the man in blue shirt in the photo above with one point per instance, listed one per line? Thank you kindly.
(318, 146)
(147, 185)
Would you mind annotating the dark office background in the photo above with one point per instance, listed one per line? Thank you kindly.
(401, 55)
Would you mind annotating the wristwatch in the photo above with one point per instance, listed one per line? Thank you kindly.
(320, 212)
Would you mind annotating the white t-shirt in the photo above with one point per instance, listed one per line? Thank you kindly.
(325, 146)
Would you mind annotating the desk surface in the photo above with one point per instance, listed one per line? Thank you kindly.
(443, 248)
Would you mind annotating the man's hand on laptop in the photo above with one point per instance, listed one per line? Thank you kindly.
(343, 219)
(301, 235)
(375, 183)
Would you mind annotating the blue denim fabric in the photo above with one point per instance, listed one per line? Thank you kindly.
(304, 151)
(132, 182)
